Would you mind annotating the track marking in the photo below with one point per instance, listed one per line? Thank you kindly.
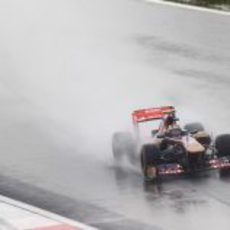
(189, 7)
(46, 214)
(57, 227)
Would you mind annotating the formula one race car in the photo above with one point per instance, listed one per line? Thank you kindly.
(171, 149)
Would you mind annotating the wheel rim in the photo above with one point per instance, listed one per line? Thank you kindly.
(151, 172)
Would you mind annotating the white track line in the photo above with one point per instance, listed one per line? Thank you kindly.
(190, 7)
(44, 213)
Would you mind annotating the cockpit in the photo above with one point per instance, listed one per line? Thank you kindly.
(175, 133)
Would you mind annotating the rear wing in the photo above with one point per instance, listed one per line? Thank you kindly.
(151, 114)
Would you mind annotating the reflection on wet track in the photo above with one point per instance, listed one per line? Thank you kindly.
(199, 201)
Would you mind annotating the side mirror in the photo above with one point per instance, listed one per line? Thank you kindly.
(160, 136)
(194, 131)
(154, 132)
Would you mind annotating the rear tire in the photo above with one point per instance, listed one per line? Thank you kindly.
(149, 154)
(222, 145)
(195, 126)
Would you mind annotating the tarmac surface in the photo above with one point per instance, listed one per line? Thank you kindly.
(71, 74)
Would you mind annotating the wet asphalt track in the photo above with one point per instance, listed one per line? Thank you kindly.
(158, 55)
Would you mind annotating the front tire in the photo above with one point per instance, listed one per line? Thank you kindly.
(149, 155)
(222, 145)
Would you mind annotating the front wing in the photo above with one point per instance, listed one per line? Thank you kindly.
(177, 169)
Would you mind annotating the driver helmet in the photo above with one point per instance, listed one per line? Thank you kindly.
(170, 120)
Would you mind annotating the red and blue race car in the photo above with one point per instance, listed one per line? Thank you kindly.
(171, 150)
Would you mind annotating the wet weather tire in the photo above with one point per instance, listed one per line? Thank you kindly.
(149, 154)
(222, 145)
(195, 126)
